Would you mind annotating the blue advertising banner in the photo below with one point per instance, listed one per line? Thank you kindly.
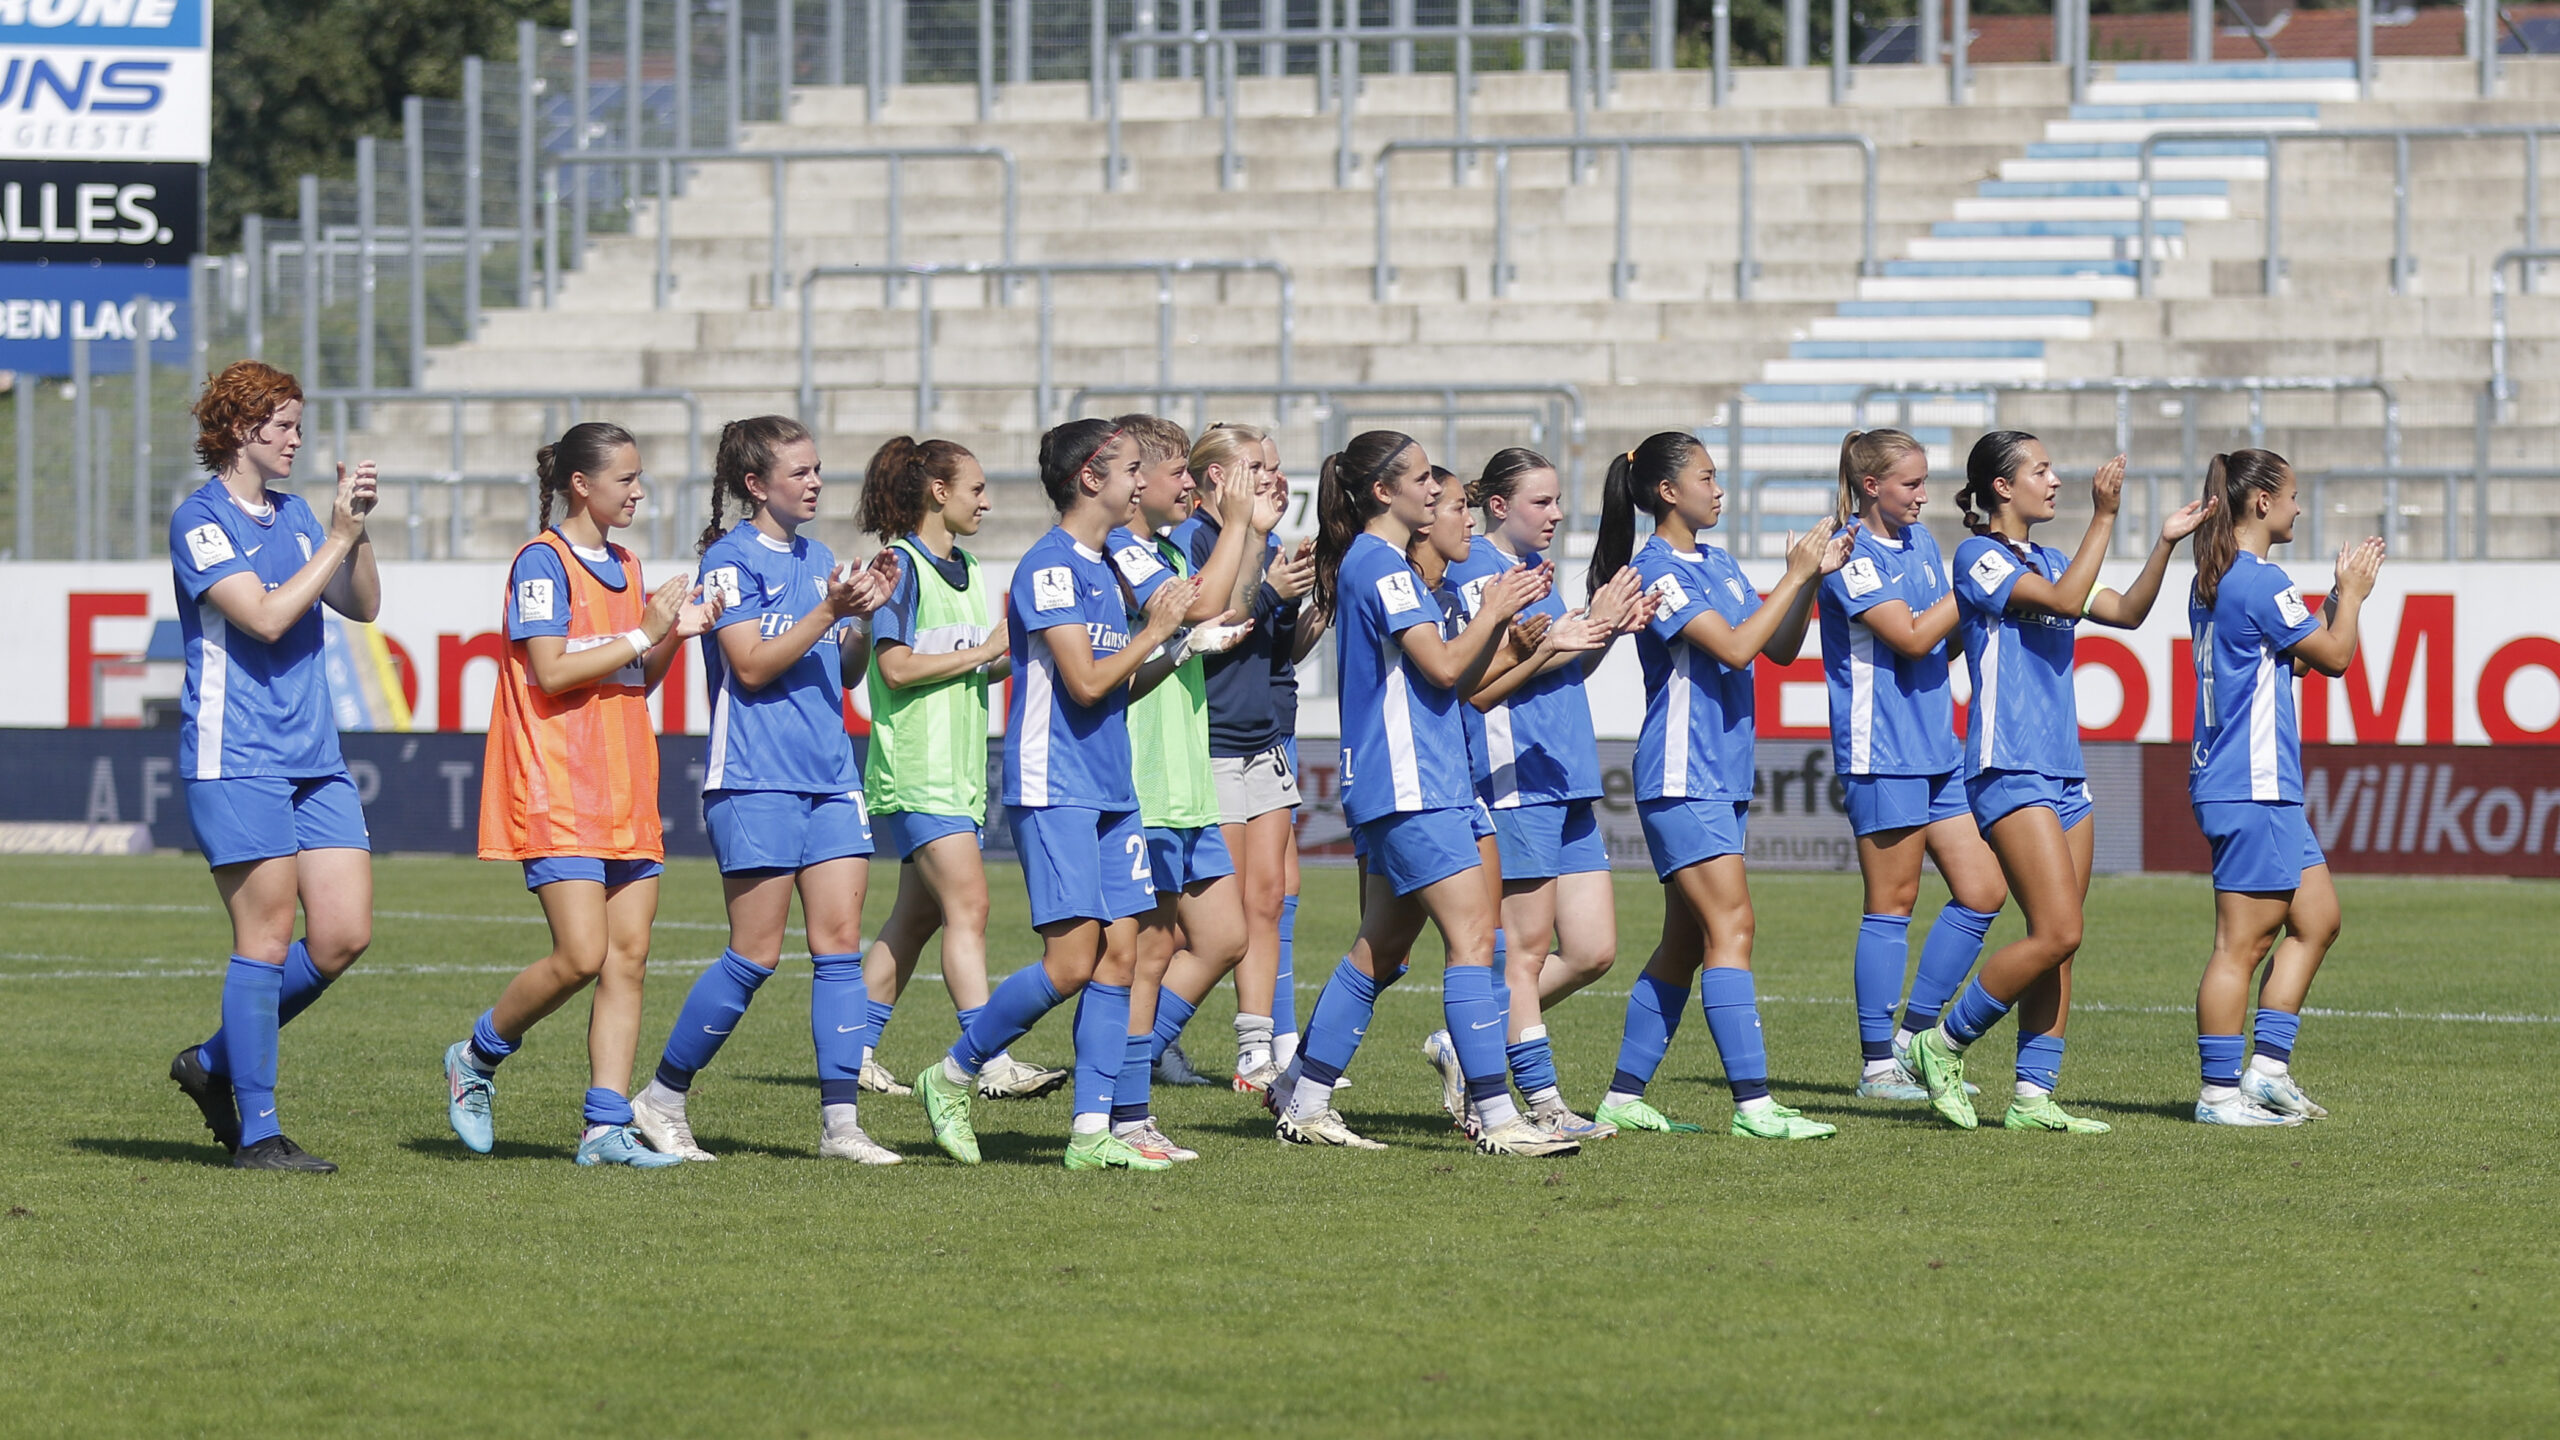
(42, 305)
(105, 80)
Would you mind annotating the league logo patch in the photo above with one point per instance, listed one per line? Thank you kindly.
(533, 600)
(209, 546)
(1137, 563)
(1668, 596)
(2289, 605)
(1396, 592)
(1053, 588)
(1861, 578)
(723, 582)
(1472, 593)
(1991, 569)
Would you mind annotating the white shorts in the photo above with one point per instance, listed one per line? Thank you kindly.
(1251, 785)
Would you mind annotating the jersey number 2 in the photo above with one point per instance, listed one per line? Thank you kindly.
(1138, 859)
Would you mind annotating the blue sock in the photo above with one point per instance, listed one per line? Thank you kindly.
(1102, 1044)
(711, 1010)
(839, 1026)
(2221, 1056)
(2040, 1061)
(1284, 994)
(2276, 1032)
(1533, 1062)
(1172, 1013)
(1336, 1022)
(303, 983)
(880, 1010)
(1653, 1017)
(488, 1047)
(606, 1107)
(1731, 1003)
(1946, 957)
(1019, 1002)
(1476, 1026)
(1884, 951)
(1973, 1013)
(964, 1016)
(1502, 977)
(249, 994)
(1133, 1093)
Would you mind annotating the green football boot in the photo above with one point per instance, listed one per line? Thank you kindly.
(1941, 1068)
(1637, 1115)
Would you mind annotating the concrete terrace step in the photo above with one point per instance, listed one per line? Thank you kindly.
(1916, 349)
(1916, 269)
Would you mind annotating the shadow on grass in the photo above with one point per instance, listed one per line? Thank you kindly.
(797, 1082)
(2167, 1109)
(166, 1152)
(445, 1147)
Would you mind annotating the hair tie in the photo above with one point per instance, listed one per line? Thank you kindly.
(1631, 457)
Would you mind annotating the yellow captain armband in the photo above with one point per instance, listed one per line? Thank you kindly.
(2089, 606)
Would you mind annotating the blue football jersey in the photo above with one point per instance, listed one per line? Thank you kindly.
(1539, 747)
(249, 707)
(2248, 744)
(1455, 611)
(1139, 566)
(789, 735)
(1699, 724)
(1057, 752)
(1891, 714)
(2025, 715)
(1403, 744)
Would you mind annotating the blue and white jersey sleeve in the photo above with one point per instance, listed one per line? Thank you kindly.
(1403, 745)
(2025, 714)
(1891, 714)
(1539, 745)
(1457, 609)
(894, 623)
(1138, 565)
(1057, 752)
(787, 734)
(250, 707)
(1699, 715)
(2248, 739)
(537, 594)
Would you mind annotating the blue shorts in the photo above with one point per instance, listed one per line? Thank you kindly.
(1902, 802)
(1415, 848)
(776, 831)
(1681, 833)
(1541, 842)
(260, 817)
(904, 832)
(1184, 858)
(1082, 864)
(1994, 794)
(2259, 847)
(611, 874)
(1480, 817)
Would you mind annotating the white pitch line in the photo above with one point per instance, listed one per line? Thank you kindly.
(428, 915)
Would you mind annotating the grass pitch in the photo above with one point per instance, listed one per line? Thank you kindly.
(2390, 1271)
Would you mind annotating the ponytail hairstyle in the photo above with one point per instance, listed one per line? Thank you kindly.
(1347, 499)
(2229, 482)
(897, 487)
(585, 450)
(1864, 453)
(747, 447)
(1502, 476)
(1995, 457)
(1067, 452)
(1635, 483)
(1227, 447)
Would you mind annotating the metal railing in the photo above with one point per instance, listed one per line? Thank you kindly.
(1044, 386)
(1581, 89)
(2501, 389)
(2404, 263)
(1622, 268)
(897, 158)
(1564, 405)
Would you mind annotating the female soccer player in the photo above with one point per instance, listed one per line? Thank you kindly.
(2020, 604)
(268, 794)
(1887, 618)
(1406, 790)
(1070, 799)
(1302, 626)
(781, 791)
(2252, 635)
(1694, 766)
(1538, 772)
(570, 786)
(932, 656)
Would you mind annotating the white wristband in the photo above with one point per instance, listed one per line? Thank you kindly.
(639, 641)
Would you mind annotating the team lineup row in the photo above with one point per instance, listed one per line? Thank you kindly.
(1150, 761)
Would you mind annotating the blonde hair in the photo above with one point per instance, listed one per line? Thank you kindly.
(1223, 446)
(1157, 437)
(1864, 453)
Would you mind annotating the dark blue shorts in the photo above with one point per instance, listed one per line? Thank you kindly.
(1082, 864)
(904, 832)
(1181, 859)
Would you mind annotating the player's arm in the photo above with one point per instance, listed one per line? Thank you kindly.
(247, 604)
(1459, 663)
(355, 587)
(1908, 635)
(1088, 679)
(2329, 648)
(901, 668)
(1776, 629)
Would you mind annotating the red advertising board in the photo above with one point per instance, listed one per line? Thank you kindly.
(2390, 809)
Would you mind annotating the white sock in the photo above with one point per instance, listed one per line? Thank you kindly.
(1284, 1047)
(1311, 1098)
(1001, 1057)
(1757, 1105)
(1954, 1045)
(2219, 1094)
(952, 1072)
(1544, 1095)
(1878, 1069)
(1123, 1129)
(2029, 1090)
(659, 1096)
(2267, 1065)
(1619, 1097)
(593, 1131)
(1091, 1124)
(838, 1117)
(1498, 1111)
(866, 1056)
(1902, 1040)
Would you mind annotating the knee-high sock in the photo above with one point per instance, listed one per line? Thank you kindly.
(879, 1013)
(1102, 1045)
(1172, 1013)
(839, 1026)
(249, 994)
(1974, 1012)
(1476, 1024)
(1284, 993)
(303, 983)
(2039, 1061)
(1338, 1020)
(1946, 957)
(711, 1011)
(1884, 952)
(1016, 1006)
(1133, 1092)
(1653, 1017)
(1731, 1003)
